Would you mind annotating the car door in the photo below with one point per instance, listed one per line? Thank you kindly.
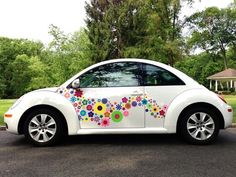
(110, 97)
(161, 87)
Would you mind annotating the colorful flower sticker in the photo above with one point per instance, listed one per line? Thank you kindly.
(90, 114)
(118, 107)
(162, 113)
(102, 110)
(126, 113)
(165, 107)
(82, 112)
(134, 103)
(86, 119)
(105, 122)
(78, 93)
(127, 106)
(97, 119)
(124, 100)
(104, 101)
(89, 107)
(67, 95)
(99, 108)
(73, 99)
(107, 114)
(155, 109)
(84, 102)
(144, 101)
(117, 116)
(138, 99)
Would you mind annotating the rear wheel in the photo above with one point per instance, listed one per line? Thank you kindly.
(43, 127)
(199, 126)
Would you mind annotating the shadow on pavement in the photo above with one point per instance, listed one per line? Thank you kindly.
(225, 137)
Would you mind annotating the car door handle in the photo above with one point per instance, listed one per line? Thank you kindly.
(136, 93)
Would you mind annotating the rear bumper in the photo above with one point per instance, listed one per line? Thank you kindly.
(228, 116)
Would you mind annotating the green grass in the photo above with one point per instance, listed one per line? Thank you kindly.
(231, 100)
(4, 106)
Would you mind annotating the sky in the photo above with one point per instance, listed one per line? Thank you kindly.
(31, 18)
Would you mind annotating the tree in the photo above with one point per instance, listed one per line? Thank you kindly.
(9, 50)
(100, 28)
(67, 54)
(200, 66)
(214, 30)
(135, 28)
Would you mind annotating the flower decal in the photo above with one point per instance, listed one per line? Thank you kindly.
(78, 93)
(90, 114)
(104, 101)
(99, 108)
(107, 114)
(82, 112)
(117, 116)
(124, 100)
(103, 112)
(73, 99)
(118, 107)
(105, 122)
(89, 107)
(155, 109)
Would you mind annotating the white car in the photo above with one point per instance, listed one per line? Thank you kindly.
(121, 96)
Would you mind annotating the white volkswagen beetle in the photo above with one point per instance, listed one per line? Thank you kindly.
(121, 96)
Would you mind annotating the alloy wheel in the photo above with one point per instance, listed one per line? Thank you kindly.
(200, 126)
(42, 128)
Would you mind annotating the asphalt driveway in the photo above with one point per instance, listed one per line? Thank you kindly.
(119, 155)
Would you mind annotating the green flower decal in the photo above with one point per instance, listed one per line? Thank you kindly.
(117, 116)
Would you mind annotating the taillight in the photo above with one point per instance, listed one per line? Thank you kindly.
(222, 98)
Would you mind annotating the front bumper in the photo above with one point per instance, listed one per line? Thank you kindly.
(12, 121)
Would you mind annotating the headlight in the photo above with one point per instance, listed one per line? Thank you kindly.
(17, 102)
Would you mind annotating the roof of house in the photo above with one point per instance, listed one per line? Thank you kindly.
(228, 74)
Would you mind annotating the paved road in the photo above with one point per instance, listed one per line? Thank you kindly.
(119, 155)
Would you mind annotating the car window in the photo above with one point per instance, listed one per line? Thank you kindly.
(154, 75)
(123, 74)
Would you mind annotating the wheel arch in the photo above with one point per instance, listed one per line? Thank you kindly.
(205, 105)
(42, 106)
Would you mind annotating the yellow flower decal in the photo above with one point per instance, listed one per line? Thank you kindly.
(155, 109)
(100, 108)
(86, 119)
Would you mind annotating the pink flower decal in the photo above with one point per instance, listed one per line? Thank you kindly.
(89, 107)
(67, 95)
(138, 99)
(126, 113)
(165, 107)
(79, 93)
(105, 122)
(124, 100)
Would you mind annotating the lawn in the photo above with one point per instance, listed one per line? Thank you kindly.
(5, 104)
(231, 100)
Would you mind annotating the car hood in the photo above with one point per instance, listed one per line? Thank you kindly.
(50, 89)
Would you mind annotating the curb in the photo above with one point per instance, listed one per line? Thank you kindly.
(233, 125)
(3, 128)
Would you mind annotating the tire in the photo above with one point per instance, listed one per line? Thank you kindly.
(199, 126)
(43, 127)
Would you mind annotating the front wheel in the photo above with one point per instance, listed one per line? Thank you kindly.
(43, 127)
(199, 126)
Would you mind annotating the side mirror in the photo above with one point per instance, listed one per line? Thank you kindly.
(76, 84)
